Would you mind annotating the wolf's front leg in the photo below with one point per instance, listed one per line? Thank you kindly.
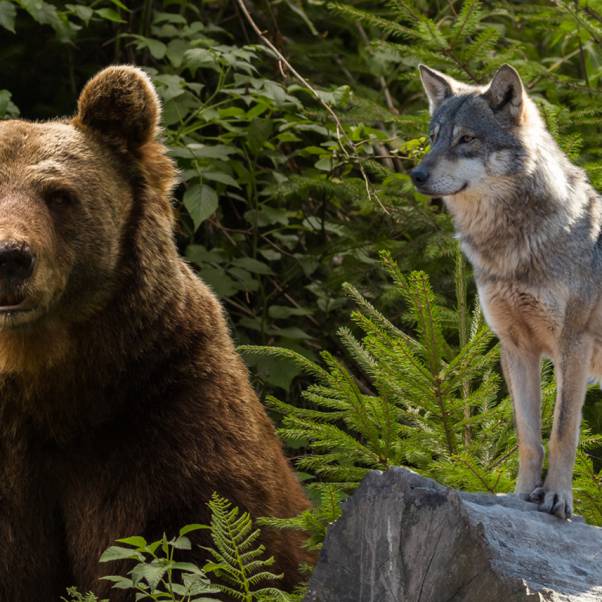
(572, 368)
(522, 373)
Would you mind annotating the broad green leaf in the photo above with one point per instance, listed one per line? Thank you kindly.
(110, 14)
(201, 202)
(157, 48)
(196, 150)
(244, 278)
(324, 164)
(219, 281)
(160, 17)
(189, 567)
(120, 553)
(136, 541)
(47, 14)
(220, 176)
(253, 265)
(84, 13)
(182, 543)
(121, 5)
(119, 582)
(8, 13)
(169, 86)
(258, 133)
(151, 573)
(270, 254)
(175, 51)
(197, 58)
(193, 527)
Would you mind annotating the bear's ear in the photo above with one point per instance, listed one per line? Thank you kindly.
(437, 86)
(122, 105)
(506, 94)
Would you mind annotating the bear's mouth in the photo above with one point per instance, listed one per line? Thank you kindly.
(14, 309)
(17, 315)
(14, 303)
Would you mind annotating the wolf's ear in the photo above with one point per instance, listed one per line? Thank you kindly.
(506, 94)
(437, 86)
(121, 104)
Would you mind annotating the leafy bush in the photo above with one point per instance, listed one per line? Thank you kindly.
(430, 400)
(239, 568)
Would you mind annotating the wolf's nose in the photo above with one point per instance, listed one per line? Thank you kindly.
(16, 260)
(419, 175)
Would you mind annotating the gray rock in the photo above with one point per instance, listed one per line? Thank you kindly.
(405, 538)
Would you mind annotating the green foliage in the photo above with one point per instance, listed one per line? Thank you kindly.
(157, 575)
(587, 484)
(239, 567)
(75, 596)
(315, 521)
(427, 397)
(237, 559)
(426, 404)
(65, 19)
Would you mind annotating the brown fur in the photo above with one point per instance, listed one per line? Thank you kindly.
(123, 402)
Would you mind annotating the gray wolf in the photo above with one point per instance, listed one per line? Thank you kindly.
(530, 223)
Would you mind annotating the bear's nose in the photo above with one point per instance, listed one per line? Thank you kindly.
(419, 175)
(16, 260)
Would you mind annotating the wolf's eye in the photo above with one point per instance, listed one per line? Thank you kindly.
(60, 197)
(466, 139)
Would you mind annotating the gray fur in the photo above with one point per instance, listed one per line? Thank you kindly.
(530, 223)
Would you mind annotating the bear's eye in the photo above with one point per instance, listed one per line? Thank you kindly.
(466, 139)
(60, 197)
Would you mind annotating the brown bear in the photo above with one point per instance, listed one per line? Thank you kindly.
(123, 402)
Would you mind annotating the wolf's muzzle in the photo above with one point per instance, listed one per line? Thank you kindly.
(419, 175)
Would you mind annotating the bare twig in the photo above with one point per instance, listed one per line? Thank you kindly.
(341, 136)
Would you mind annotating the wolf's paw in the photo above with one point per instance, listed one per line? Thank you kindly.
(537, 495)
(559, 503)
(532, 495)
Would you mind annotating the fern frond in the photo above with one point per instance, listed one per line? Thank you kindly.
(239, 563)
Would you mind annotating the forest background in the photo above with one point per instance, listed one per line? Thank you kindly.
(294, 124)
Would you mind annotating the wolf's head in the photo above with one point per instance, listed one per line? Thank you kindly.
(477, 133)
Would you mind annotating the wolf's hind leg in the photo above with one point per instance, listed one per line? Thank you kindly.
(571, 375)
(522, 373)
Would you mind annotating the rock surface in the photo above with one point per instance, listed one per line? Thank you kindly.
(405, 538)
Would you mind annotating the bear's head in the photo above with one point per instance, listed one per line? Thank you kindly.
(73, 193)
